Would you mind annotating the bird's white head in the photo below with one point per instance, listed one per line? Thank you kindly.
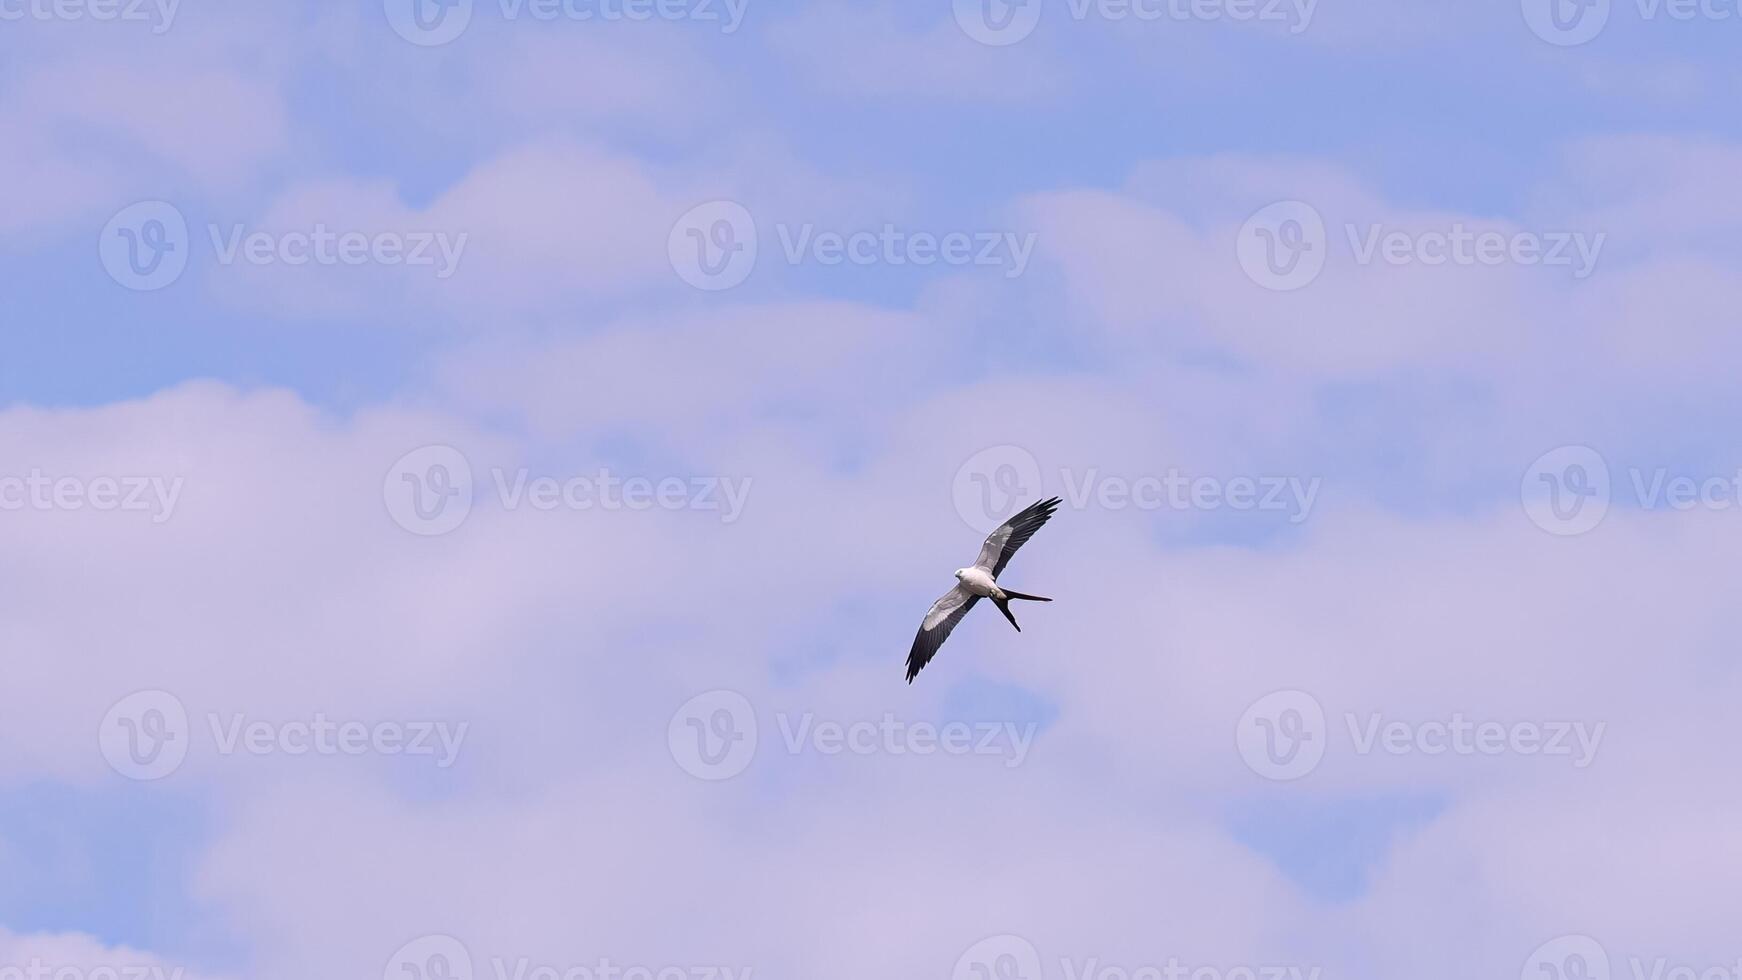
(960, 572)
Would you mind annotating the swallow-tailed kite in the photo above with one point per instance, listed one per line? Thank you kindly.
(979, 581)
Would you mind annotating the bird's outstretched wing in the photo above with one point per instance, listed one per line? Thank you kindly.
(935, 629)
(1013, 534)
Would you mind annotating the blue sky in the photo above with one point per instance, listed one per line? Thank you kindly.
(1113, 331)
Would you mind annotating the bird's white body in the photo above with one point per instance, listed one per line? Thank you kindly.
(978, 582)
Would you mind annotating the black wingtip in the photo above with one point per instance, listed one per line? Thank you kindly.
(1040, 509)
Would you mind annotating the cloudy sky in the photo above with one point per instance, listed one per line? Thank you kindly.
(470, 473)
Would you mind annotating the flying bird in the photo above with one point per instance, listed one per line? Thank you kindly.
(979, 581)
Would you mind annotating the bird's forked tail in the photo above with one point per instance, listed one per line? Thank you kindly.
(1003, 603)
